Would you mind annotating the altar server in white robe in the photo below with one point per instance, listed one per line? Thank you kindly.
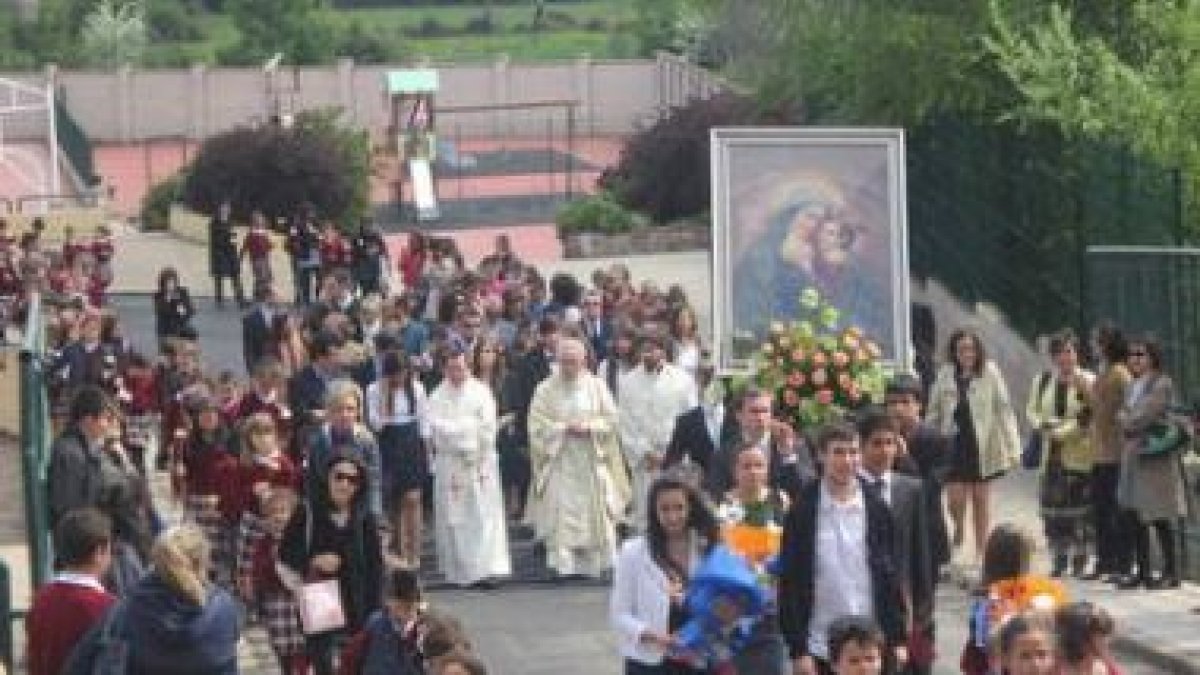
(580, 486)
(656, 394)
(471, 535)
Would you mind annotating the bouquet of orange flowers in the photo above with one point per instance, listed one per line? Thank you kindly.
(1026, 592)
(817, 368)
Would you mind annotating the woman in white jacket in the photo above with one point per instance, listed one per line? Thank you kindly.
(651, 574)
(969, 403)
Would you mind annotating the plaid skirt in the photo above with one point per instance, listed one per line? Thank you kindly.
(219, 534)
(281, 618)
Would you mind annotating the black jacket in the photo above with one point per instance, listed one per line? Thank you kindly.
(691, 438)
(798, 567)
(928, 459)
(173, 314)
(789, 476)
(528, 374)
(256, 338)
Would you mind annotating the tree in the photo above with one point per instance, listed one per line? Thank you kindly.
(114, 35)
(299, 29)
(275, 169)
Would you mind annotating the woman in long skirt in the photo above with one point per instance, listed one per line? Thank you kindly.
(1060, 409)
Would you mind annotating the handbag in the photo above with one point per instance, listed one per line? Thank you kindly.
(320, 605)
(1164, 438)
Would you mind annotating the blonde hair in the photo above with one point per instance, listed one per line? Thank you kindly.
(181, 557)
(340, 390)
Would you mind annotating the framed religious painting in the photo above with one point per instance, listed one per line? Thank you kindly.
(797, 208)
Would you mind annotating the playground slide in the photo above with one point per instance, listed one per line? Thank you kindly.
(422, 183)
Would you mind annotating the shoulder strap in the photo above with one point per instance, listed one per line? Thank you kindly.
(1043, 383)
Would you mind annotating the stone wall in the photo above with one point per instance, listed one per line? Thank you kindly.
(641, 241)
(614, 97)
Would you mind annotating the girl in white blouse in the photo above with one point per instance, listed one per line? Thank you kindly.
(396, 406)
(646, 607)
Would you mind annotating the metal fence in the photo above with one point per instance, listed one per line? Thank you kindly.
(1157, 290)
(36, 433)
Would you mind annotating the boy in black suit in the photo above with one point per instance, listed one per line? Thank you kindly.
(837, 558)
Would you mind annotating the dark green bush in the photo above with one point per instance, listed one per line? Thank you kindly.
(430, 27)
(598, 213)
(156, 205)
(664, 169)
(481, 24)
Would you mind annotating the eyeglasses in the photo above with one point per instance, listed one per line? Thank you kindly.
(348, 478)
(1137, 354)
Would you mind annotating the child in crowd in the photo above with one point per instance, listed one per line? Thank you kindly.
(1007, 555)
(74, 600)
(257, 247)
(1025, 645)
(856, 646)
(229, 393)
(1084, 630)
(142, 400)
(390, 641)
(206, 462)
(263, 468)
(264, 592)
(102, 250)
(71, 247)
(458, 663)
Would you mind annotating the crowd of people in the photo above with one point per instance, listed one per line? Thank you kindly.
(388, 390)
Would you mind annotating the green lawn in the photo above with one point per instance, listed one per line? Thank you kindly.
(506, 16)
(555, 42)
(554, 46)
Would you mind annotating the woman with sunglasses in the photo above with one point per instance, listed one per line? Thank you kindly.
(1150, 489)
(335, 535)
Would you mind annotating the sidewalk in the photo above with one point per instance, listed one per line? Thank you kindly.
(1161, 628)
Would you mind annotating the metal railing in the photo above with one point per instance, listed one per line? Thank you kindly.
(36, 430)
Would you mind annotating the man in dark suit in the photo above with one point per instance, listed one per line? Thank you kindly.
(923, 453)
(791, 464)
(699, 432)
(306, 395)
(837, 558)
(529, 372)
(256, 327)
(905, 496)
(596, 327)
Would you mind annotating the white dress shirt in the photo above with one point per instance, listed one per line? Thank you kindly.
(843, 579)
(400, 413)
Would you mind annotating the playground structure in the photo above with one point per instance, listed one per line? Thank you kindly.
(411, 135)
(29, 160)
(438, 170)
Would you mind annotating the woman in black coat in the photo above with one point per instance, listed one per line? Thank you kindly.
(173, 309)
(335, 536)
(223, 260)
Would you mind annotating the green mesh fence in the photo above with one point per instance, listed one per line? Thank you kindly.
(75, 144)
(36, 430)
(1005, 214)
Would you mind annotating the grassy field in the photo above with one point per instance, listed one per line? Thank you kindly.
(504, 16)
(511, 36)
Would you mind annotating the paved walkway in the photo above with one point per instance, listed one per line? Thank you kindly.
(563, 629)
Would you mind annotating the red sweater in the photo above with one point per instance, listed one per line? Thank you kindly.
(257, 244)
(62, 612)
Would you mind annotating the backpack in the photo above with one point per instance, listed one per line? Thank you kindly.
(102, 651)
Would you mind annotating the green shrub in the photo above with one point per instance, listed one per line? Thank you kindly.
(598, 213)
(479, 25)
(156, 205)
(430, 27)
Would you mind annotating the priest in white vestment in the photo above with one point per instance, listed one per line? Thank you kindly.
(580, 488)
(469, 523)
(656, 394)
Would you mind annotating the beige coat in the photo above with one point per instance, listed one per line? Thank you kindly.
(1076, 444)
(995, 422)
(1108, 395)
(1152, 486)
